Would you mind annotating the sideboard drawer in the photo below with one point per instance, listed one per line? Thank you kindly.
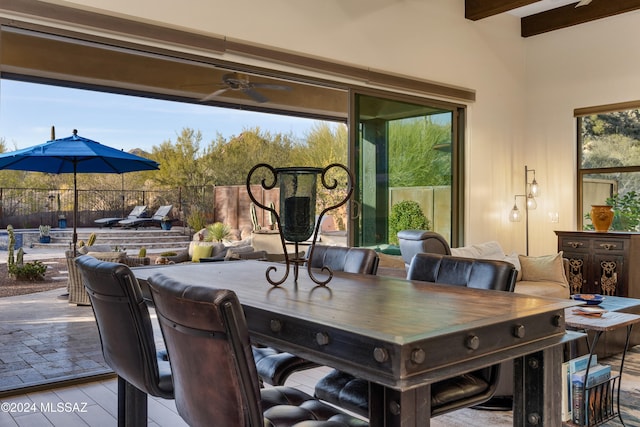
(572, 244)
(610, 245)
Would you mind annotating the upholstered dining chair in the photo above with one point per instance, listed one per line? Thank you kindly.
(274, 367)
(214, 374)
(126, 336)
(462, 391)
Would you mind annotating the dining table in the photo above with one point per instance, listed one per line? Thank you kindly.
(400, 335)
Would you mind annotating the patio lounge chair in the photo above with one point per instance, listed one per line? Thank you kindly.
(145, 222)
(139, 211)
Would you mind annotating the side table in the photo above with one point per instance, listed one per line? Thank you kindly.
(609, 321)
(612, 342)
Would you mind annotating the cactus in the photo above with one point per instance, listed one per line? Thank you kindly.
(20, 257)
(12, 244)
(254, 217)
(272, 215)
(92, 239)
(143, 252)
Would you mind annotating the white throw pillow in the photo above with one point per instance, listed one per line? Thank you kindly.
(488, 250)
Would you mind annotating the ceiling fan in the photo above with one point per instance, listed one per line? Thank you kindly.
(240, 82)
(583, 3)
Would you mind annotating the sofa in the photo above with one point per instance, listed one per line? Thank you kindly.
(540, 276)
(544, 275)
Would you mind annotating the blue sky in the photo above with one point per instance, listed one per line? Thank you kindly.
(27, 112)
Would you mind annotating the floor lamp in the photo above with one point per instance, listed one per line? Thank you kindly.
(531, 191)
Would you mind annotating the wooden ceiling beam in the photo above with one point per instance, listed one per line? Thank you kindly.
(569, 15)
(479, 9)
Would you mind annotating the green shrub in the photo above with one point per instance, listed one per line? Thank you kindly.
(197, 220)
(406, 215)
(32, 271)
(217, 232)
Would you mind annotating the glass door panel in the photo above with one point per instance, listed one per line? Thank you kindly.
(403, 152)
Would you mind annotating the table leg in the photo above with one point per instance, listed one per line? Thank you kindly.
(537, 393)
(392, 408)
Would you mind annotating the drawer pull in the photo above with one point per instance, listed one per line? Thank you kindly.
(608, 246)
(575, 245)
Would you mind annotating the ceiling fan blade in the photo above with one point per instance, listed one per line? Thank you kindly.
(214, 94)
(258, 97)
(271, 86)
(583, 3)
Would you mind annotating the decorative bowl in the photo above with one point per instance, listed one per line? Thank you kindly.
(590, 299)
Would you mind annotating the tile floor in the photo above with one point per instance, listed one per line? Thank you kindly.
(43, 338)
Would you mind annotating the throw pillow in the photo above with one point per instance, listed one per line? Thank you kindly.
(547, 268)
(487, 250)
(201, 252)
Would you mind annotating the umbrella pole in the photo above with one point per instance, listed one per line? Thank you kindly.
(75, 208)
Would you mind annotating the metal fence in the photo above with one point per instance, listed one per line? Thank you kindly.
(31, 207)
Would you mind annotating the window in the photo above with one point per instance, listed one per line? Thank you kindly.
(609, 163)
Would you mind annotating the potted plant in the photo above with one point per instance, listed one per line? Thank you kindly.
(165, 223)
(62, 219)
(45, 231)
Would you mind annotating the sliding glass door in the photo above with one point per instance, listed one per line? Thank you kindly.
(406, 157)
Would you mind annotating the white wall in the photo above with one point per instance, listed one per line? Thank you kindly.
(526, 88)
(592, 64)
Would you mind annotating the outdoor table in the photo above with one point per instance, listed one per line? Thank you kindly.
(400, 335)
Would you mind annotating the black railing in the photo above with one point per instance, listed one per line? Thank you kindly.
(31, 207)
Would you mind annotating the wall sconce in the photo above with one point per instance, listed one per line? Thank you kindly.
(298, 187)
(532, 190)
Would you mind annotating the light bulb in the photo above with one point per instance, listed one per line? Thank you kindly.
(514, 215)
(534, 189)
(531, 202)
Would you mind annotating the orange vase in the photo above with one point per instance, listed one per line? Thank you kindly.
(601, 217)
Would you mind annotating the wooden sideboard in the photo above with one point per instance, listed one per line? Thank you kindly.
(602, 263)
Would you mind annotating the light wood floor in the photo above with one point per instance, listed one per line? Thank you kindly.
(95, 404)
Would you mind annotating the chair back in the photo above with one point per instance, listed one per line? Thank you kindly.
(162, 212)
(126, 331)
(138, 212)
(412, 242)
(349, 260)
(469, 272)
(205, 327)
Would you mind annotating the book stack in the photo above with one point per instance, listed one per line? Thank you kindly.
(590, 394)
(568, 369)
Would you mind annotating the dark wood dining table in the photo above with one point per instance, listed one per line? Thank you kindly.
(400, 335)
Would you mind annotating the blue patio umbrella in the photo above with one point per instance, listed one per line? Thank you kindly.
(74, 154)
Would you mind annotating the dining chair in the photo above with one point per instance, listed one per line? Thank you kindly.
(352, 393)
(274, 366)
(214, 375)
(126, 337)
